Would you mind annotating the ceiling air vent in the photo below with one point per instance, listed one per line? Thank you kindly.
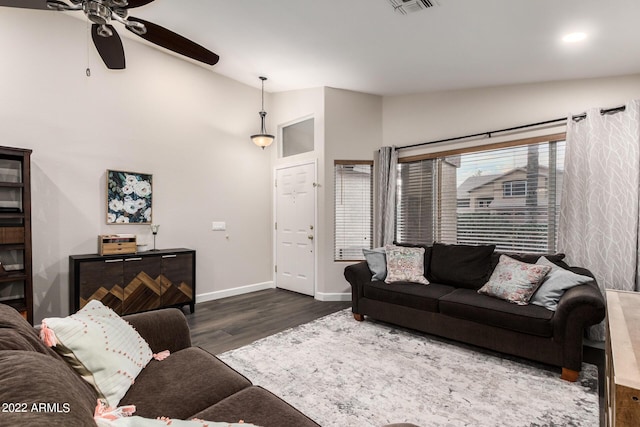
(409, 6)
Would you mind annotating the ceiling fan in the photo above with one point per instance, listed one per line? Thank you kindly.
(107, 41)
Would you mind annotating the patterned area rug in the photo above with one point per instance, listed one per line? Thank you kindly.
(341, 372)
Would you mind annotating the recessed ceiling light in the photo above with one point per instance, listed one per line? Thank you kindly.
(574, 37)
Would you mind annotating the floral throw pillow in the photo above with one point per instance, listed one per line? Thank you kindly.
(514, 281)
(405, 264)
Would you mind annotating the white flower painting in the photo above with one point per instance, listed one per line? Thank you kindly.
(128, 197)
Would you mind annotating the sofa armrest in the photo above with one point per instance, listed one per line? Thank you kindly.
(579, 307)
(164, 329)
(357, 275)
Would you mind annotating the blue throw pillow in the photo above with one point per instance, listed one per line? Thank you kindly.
(377, 260)
(555, 285)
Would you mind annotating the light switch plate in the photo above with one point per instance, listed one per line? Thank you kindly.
(218, 226)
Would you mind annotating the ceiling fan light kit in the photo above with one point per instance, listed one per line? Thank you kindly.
(262, 139)
(105, 38)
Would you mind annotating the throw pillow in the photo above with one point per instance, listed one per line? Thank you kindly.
(529, 258)
(427, 253)
(514, 281)
(405, 264)
(123, 417)
(377, 261)
(460, 265)
(555, 284)
(101, 346)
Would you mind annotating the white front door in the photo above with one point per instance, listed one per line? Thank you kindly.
(295, 228)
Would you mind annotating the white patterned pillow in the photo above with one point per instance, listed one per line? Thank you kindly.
(514, 281)
(102, 347)
(405, 264)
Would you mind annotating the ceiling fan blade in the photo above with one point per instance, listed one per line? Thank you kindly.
(136, 3)
(109, 48)
(175, 42)
(25, 4)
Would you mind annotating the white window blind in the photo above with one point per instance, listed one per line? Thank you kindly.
(353, 209)
(415, 202)
(509, 197)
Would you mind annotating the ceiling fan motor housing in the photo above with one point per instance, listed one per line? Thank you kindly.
(97, 12)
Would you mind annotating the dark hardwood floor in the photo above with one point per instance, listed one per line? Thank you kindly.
(229, 323)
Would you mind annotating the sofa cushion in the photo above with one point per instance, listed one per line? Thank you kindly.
(28, 378)
(462, 266)
(257, 406)
(405, 264)
(17, 334)
(469, 305)
(186, 382)
(514, 281)
(100, 346)
(408, 294)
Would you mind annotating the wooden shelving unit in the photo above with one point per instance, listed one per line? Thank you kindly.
(16, 282)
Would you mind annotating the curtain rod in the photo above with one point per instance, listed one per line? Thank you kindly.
(489, 134)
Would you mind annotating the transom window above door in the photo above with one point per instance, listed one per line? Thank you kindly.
(297, 138)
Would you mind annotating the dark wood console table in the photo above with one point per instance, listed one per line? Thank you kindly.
(134, 282)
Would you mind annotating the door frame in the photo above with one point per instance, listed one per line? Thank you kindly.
(288, 165)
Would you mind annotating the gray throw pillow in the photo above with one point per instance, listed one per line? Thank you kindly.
(555, 285)
(377, 260)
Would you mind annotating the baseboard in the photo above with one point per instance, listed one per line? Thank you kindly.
(322, 296)
(210, 296)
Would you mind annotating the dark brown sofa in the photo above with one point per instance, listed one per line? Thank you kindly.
(191, 383)
(461, 313)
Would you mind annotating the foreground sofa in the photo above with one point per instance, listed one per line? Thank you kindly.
(451, 307)
(190, 383)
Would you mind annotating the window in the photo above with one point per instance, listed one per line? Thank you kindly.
(297, 138)
(353, 209)
(507, 195)
(514, 188)
(484, 202)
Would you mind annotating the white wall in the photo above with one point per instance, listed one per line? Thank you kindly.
(411, 119)
(353, 132)
(184, 124)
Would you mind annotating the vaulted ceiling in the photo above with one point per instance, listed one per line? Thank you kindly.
(364, 45)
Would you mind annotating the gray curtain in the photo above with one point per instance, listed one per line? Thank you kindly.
(384, 215)
(599, 213)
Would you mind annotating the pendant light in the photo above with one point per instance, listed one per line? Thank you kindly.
(262, 139)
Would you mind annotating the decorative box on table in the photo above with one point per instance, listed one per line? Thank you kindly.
(113, 244)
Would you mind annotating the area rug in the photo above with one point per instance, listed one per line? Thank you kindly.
(340, 372)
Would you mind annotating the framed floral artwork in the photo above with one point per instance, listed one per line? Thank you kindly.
(129, 197)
